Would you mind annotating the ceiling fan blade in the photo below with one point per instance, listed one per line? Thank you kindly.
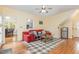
(37, 8)
(50, 8)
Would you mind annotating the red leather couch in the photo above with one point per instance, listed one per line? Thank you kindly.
(28, 37)
(31, 36)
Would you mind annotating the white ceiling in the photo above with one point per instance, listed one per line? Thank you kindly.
(35, 9)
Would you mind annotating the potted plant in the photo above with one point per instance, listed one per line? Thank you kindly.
(46, 38)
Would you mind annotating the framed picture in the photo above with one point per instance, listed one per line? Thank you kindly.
(41, 22)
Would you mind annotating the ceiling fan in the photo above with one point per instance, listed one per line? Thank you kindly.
(44, 9)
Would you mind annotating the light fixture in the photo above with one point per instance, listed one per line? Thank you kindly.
(44, 7)
(29, 20)
(43, 10)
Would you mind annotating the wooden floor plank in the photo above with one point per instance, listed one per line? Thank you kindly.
(69, 46)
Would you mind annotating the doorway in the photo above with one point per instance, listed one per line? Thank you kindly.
(64, 33)
(9, 28)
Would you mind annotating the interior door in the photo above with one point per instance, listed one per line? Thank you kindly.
(64, 33)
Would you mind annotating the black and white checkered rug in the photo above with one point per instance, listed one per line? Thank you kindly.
(40, 47)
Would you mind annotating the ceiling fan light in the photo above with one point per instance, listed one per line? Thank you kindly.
(43, 7)
(43, 11)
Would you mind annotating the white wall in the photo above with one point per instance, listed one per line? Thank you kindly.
(53, 22)
(20, 19)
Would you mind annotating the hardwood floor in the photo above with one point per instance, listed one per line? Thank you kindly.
(17, 47)
(69, 46)
(8, 39)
